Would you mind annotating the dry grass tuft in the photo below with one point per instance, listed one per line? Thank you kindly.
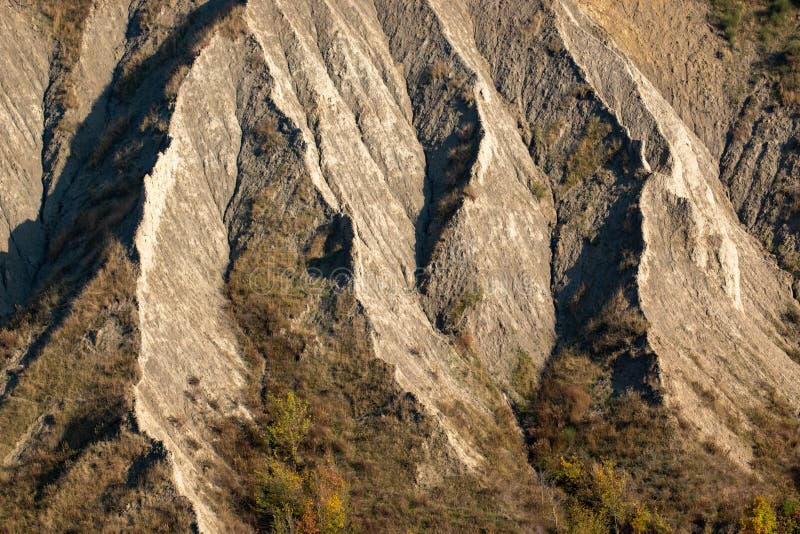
(594, 150)
(80, 462)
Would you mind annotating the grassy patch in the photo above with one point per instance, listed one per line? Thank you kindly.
(72, 457)
(594, 150)
(439, 71)
(616, 327)
(538, 189)
(774, 28)
(67, 20)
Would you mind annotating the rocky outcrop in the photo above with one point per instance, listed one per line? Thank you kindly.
(25, 48)
(191, 370)
(699, 266)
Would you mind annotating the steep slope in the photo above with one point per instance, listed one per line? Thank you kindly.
(674, 46)
(384, 232)
(183, 345)
(617, 328)
(696, 258)
(382, 274)
(727, 94)
(25, 52)
(295, 260)
(386, 265)
(77, 97)
(759, 168)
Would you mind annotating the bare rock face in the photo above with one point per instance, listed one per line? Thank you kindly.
(699, 266)
(25, 49)
(674, 46)
(498, 171)
(189, 359)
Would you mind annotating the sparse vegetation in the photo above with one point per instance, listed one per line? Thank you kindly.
(112, 135)
(78, 461)
(465, 302)
(267, 131)
(594, 150)
(234, 25)
(538, 189)
(603, 500)
(614, 451)
(470, 193)
(67, 21)
(727, 15)
(525, 377)
(439, 71)
(456, 187)
(617, 326)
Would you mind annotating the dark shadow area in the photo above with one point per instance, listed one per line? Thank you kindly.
(139, 467)
(605, 270)
(634, 372)
(99, 194)
(447, 173)
(18, 265)
(336, 251)
(79, 434)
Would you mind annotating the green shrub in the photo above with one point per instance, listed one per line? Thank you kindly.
(789, 516)
(279, 490)
(727, 15)
(289, 426)
(603, 501)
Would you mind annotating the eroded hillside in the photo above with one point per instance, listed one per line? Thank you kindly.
(419, 265)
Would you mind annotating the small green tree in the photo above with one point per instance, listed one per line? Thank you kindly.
(279, 493)
(289, 426)
(759, 518)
